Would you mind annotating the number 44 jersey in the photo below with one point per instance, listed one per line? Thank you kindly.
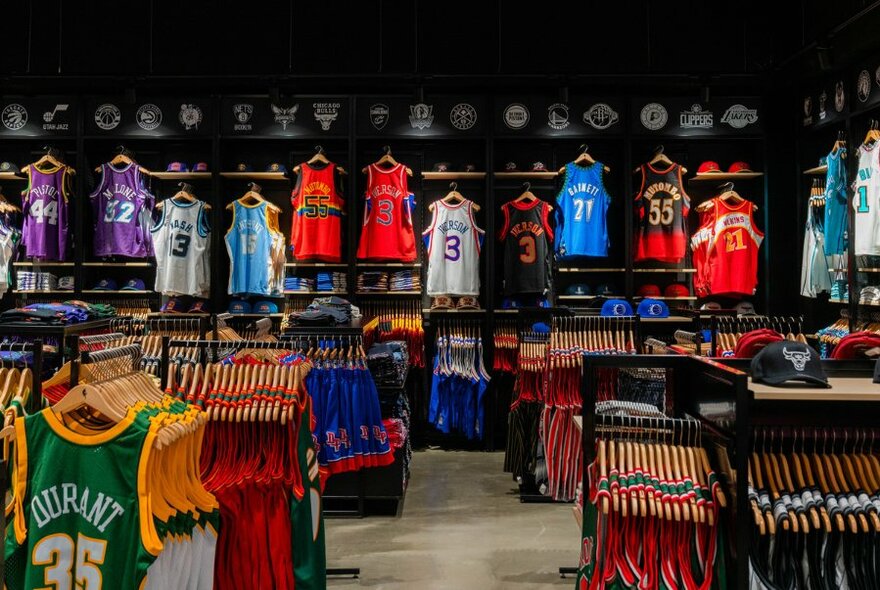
(122, 207)
(182, 240)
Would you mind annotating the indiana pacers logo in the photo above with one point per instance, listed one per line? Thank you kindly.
(654, 116)
(14, 117)
(463, 116)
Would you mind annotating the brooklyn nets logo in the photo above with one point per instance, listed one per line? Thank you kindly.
(107, 116)
(654, 116)
(14, 117)
(600, 116)
(149, 117)
(463, 116)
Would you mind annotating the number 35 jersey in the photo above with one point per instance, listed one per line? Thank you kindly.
(662, 205)
(453, 242)
(316, 230)
(527, 235)
(122, 208)
(182, 240)
(387, 232)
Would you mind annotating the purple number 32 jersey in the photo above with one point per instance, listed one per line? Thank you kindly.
(45, 213)
(122, 207)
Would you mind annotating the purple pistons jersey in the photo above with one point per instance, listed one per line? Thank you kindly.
(122, 208)
(45, 213)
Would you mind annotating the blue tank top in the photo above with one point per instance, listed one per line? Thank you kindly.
(249, 244)
(582, 204)
(836, 203)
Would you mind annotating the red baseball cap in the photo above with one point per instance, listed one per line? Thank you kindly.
(752, 342)
(854, 345)
(708, 167)
(739, 167)
(676, 290)
(649, 290)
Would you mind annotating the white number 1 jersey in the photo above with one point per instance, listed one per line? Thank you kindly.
(182, 241)
(453, 242)
(866, 202)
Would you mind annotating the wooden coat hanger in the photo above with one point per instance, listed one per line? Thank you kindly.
(126, 157)
(873, 134)
(387, 158)
(6, 206)
(584, 159)
(527, 196)
(660, 158)
(319, 158)
(53, 158)
(254, 197)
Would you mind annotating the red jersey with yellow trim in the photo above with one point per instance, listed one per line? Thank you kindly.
(733, 249)
(387, 232)
(662, 205)
(316, 230)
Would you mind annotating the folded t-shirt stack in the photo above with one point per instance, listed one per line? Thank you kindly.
(323, 311)
(373, 280)
(50, 314)
(388, 363)
(332, 281)
(299, 284)
(405, 280)
(36, 281)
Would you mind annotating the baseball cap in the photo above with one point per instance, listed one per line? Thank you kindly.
(442, 167)
(708, 167)
(649, 290)
(784, 361)
(711, 305)
(200, 167)
(8, 167)
(752, 342)
(198, 306)
(652, 308)
(855, 345)
(173, 305)
(470, 168)
(676, 290)
(65, 283)
(745, 308)
(276, 167)
(510, 167)
(243, 167)
(266, 307)
(105, 285)
(605, 289)
(616, 307)
(177, 167)
(739, 166)
(541, 328)
(134, 285)
(577, 289)
(239, 306)
(539, 167)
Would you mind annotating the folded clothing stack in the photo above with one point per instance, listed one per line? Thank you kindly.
(299, 284)
(332, 281)
(388, 363)
(373, 280)
(56, 314)
(323, 311)
(406, 280)
(36, 281)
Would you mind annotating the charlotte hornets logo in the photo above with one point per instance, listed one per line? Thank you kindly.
(285, 116)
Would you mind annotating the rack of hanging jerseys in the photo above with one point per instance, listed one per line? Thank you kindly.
(114, 440)
(506, 346)
(729, 333)
(395, 320)
(258, 458)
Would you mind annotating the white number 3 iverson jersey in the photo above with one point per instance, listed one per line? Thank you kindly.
(453, 242)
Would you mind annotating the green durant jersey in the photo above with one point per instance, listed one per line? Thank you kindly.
(82, 517)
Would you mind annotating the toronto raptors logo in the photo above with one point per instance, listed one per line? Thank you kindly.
(14, 117)
(600, 116)
(864, 86)
(285, 116)
(149, 117)
(190, 116)
(587, 551)
(463, 116)
(107, 116)
(421, 115)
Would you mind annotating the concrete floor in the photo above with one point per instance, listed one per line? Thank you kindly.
(463, 528)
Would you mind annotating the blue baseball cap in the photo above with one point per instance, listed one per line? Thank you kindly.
(541, 328)
(578, 289)
(266, 307)
(173, 305)
(239, 306)
(605, 290)
(653, 308)
(616, 307)
(134, 285)
(276, 167)
(105, 285)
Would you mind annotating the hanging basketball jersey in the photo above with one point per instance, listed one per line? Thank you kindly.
(700, 247)
(453, 242)
(581, 209)
(662, 205)
(121, 204)
(733, 249)
(526, 234)
(316, 230)
(866, 203)
(836, 223)
(182, 240)
(250, 244)
(387, 232)
(44, 207)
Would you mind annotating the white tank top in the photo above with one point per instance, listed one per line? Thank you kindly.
(181, 240)
(453, 242)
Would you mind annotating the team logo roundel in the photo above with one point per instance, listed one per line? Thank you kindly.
(654, 116)
(463, 116)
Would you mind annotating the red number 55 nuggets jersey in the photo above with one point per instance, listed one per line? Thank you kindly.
(316, 230)
(387, 233)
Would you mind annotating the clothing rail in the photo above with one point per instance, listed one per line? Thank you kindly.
(108, 354)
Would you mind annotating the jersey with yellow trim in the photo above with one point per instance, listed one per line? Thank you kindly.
(84, 517)
(316, 229)
(732, 252)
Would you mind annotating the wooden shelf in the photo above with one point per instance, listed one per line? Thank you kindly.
(309, 293)
(120, 264)
(11, 176)
(526, 175)
(383, 293)
(254, 175)
(50, 292)
(583, 296)
(53, 264)
(182, 175)
(670, 319)
(118, 292)
(817, 171)
(316, 265)
(843, 389)
(664, 298)
(869, 270)
(257, 315)
(430, 311)
(453, 175)
(389, 264)
(710, 176)
(597, 269)
(667, 270)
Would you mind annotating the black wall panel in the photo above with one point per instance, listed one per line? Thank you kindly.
(399, 42)
(98, 37)
(324, 43)
(14, 39)
(450, 44)
(187, 39)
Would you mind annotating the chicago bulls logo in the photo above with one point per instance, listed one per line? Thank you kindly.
(798, 358)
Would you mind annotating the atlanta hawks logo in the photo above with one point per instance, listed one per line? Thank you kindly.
(285, 116)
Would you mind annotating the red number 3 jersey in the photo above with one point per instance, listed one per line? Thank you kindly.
(387, 233)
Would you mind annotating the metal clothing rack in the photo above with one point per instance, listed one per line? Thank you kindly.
(108, 354)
